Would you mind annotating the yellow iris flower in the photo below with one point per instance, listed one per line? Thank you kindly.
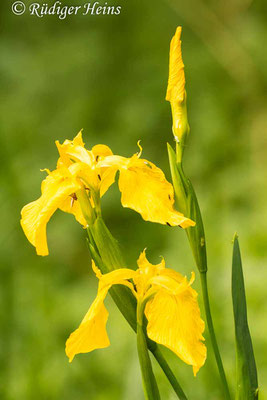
(169, 303)
(61, 188)
(80, 172)
(176, 93)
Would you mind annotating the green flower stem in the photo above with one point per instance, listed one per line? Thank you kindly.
(169, 374)
(149, 382)
(205, 294)
(96, 200)
(187, 202)
(87, 210)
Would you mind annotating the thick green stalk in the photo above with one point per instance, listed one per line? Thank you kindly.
(150, 386)
(205, 294)
(87, 210)
(169, 374)
(187, 202)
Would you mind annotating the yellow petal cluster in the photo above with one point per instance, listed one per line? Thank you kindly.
(171, 309)
(76, 170)
(143, 186)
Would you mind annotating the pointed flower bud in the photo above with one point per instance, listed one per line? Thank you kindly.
(176, 82)
(176, 93)
(184, 192)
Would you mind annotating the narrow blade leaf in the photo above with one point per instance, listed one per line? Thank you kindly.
(246, 379)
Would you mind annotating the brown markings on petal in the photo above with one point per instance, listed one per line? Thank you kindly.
(73, 198)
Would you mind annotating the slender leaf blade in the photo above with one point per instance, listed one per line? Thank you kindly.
(246, 379)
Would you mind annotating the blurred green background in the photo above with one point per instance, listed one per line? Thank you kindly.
(108, 75)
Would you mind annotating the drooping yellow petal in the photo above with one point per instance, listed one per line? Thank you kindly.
(56, 188)
(176, 82)
(173, 313)
(91, 333)
(145, 189)
(174, 321)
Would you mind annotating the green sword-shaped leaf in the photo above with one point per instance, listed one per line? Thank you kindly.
(246, 379)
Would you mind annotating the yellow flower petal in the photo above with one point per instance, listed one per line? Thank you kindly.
(174, 321)
(84, 172)
(146, 272)
(121, 276)
(176, 82)
(144, 264)
(177, 276)
(145, 189)
(71, 205)
(107, 179)
(169, 284)
(57, 186)
(96, 270)
(97, 179)
(73, 150)
(101, 151)
(91, 333)
(106, 175)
